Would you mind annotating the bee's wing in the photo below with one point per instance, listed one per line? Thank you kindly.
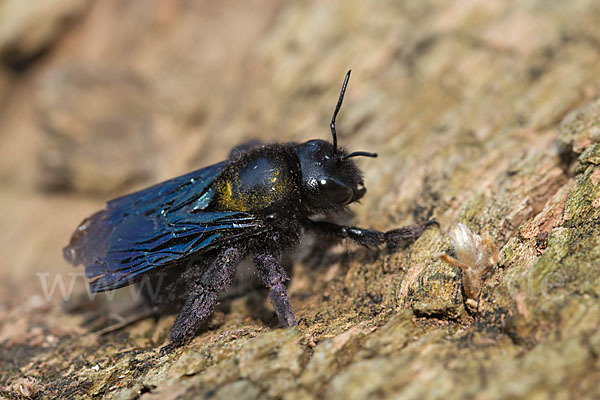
(143, 244)
(163, 224)
(88, 242)
(184, 191)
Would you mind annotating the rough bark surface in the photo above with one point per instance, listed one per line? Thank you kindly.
(483, 112)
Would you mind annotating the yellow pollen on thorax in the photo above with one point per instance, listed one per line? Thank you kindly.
(247, 201)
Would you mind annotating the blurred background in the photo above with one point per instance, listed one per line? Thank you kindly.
(461, 99)
(102, 97)
(98, 98)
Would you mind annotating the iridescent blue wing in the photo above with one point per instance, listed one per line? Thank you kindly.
(142, 244)
(153, 228)
(192, 191)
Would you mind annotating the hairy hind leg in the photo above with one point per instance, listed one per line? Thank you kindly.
(202, 296)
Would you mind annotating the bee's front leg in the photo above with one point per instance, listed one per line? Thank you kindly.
(407, 235)
(400, 237)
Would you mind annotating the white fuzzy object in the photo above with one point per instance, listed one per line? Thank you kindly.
(474, 255)
(468, 246)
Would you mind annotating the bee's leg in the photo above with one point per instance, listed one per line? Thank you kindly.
(241, 148)
(407, 235)
(400, 237)
(273, 275)
(203, 296)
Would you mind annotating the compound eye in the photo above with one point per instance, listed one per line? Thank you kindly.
(334, 190)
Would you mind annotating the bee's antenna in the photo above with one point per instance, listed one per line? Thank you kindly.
(359, 153)
(337, 109)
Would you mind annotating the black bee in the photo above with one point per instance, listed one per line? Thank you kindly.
(199, 226)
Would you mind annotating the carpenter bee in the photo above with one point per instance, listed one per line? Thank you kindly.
(195, 229)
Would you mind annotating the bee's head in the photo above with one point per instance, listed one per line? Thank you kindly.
(330, 179)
